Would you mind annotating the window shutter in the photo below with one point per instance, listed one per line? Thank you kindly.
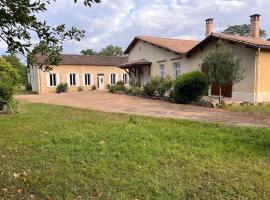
(109, 79)
(77, 79)
(92, 79)
(83, 79)
(68, 81)
(57, 79)
(47, 79)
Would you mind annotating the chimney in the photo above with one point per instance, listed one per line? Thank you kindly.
(255, 25)
(209, 26)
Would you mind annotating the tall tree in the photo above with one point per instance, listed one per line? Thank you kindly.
(18, 22)
(243, 30)
(111, 50)
(89, 52)
(21, 68)
(221, 66)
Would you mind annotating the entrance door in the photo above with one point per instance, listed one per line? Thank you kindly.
(100, 82)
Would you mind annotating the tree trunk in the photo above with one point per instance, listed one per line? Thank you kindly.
(219, 98)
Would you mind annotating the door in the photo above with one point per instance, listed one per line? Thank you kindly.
(100, 82)
(226, 90)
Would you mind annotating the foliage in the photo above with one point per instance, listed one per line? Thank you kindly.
(17, 64)
(118, 87)
(28, 87)
(190, 87)
(80, 89)
(120, 156)
(8, 79)
(221, 66)
(19, 25)
(89, 52)
(62, 88)
(259, 109)
(11, 107)
(242, 30)
(137, 91)
(134, 83)
(111, 50)
(158, 86)
(94, 87)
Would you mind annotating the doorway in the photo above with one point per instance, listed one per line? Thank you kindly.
(100, 81)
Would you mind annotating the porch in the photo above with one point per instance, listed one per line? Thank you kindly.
(139, 71)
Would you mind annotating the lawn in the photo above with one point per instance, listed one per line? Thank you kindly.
(260, 109)
(57, 152)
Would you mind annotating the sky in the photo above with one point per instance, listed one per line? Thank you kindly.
(117, 22)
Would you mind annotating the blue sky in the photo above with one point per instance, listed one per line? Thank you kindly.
(118, 21)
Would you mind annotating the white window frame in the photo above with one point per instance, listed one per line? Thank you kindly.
(87, 79)
(113, 79)
(177, 69)
(53, 80)
(125, 78)
(162, 70)
(72, 79)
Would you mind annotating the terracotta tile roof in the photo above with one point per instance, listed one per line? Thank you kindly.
(258, 42)
(135, 63)
(70, 59)
(246, 40)
(176, 45)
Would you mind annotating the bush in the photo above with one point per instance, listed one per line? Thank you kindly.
(118, 87)
(80, 89)
(137, 91)
(158, 86)
(28, 87)
(62, 87)
(190, 87)
(94, 87)
(11, 107)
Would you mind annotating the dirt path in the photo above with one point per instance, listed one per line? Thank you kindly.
(107, 102)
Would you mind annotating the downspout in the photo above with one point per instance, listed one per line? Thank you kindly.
(257, 74)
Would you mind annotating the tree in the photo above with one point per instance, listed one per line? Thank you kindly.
(111, 50)
(21, 68)
(19, 24)
(243, 30)
(221, 66)
(89, 52)
(8, 79)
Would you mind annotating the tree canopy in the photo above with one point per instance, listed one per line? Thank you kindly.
(221, 66)
(243, 30)
(109, 50)
(19, 26)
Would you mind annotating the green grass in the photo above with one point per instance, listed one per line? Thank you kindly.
(260, 109)
(70, 153)
(22, 91)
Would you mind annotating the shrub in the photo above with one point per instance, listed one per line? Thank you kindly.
(62, 87)
(158, 86)
(118, 87)
(28, 87)
(108, 86)
(134, 83)
(94, 87)
(80, 89)
(190, 87)
(137, 91)
(11, 107)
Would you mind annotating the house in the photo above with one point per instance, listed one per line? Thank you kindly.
(79, 71)
(152, 56)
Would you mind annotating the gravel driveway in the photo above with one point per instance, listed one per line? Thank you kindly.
(107, 102)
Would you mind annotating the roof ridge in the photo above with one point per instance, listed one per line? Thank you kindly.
(155, 37)
(66, 54)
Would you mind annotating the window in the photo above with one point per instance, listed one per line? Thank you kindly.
(162, 70)
(113, 77)
(72, 79)
(125, 78)
(176, 69)
(52, 80)
(87, 79)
